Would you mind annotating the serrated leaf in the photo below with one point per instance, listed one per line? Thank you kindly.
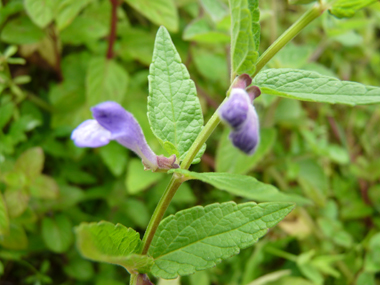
(230, 159)
(160, 12)
(200, 237)
(31, 163)
(106, 242)
(57, 233)
(311, 86)
(4, 219)
(243, 186)
(68, 10)
(174, 111)
(106, 80)
(245, 37)
(40, 11)
(348, 8)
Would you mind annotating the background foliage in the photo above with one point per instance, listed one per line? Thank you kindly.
(53, 67)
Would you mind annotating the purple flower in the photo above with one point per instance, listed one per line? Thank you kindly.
(239, 113)
(113, 122)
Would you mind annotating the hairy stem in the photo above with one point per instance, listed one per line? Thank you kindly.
(310, 15)
(112, 35)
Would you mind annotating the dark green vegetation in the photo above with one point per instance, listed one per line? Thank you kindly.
(63, 57)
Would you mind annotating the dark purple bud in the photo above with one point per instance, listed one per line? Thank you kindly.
(242, 81)
(253, 92)
(235, 110)
(113, 122)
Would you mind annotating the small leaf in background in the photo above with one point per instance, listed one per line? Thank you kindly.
(16, 238)
(200, 31)
(212, 66)
(160, 12)
(106, 242)
(44, 187)
(57, 233)
(216, 8)
(115, 157)
(68, 10)
(138, 179)
(31, 162)
(230, 159)
(244, 186)
(372, 259)
(348, 8)
(200, 237)
(16, 201)
(311, 86)
(174, 110)
(6, 112)
(106, 80)
(21, 31)
(41, 11)
(4, 219)
(79, 269)
(245, 36)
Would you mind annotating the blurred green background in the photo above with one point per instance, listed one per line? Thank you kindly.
(53, 67)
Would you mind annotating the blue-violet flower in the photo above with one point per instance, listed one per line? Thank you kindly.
(239, 113)
(113, 122)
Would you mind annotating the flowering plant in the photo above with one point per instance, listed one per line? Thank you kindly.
(200, 237)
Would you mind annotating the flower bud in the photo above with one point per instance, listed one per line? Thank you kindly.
(239, 113)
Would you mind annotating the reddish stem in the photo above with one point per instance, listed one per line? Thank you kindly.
(112, 36)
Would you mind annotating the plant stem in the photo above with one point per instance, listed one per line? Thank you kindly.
(112, 36)
(176, 181)
(159, 212)
(310, 15)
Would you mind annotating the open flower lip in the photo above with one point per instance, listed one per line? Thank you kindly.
(239, 113)
(112, 122)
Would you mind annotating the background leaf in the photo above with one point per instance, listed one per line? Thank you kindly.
(106, 80)
(4, 219)
(311, 86)
(200, 237)
(57, 233)
(160, 12)
(41, 11)
(20, 31)
(174, 111)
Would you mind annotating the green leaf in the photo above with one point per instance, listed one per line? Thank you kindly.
(44, 187)
(114, 157)
(16, 239)
(21, 31)
(16, 201)
(348, 8)
(200, 31)
(242, 185)
(174, 110)
(106, 80)
(4, 219)
(40, 11)
(6, 112)
(230, 159)
(31, 163)
(160, 12)
(200, 237)
(311, 86)
(116, 244)
(68, 10)
(215, 8)
(138, 179)
(57, 233)
(245, 38)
